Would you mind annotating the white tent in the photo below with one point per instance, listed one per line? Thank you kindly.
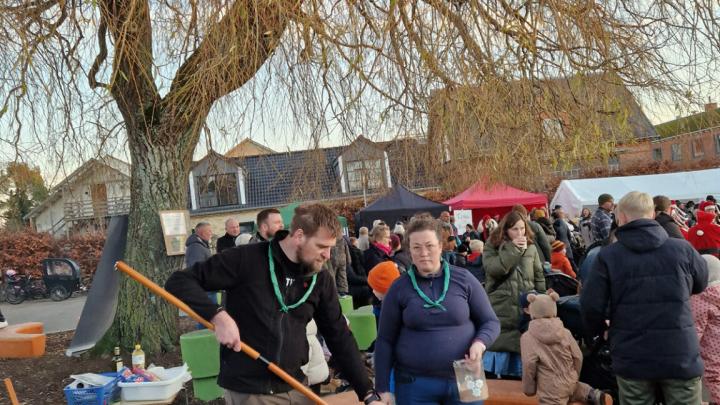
(574, 195)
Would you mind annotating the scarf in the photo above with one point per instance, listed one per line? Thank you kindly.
(384, 248)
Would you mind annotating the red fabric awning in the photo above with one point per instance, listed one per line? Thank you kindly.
(499, 195)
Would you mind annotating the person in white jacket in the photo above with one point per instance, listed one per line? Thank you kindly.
(316, 369)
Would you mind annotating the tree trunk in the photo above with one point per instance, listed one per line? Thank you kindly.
(158, 182)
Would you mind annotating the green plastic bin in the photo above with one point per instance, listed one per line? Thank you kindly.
(201, 351)
(346, 304)
(362, 325)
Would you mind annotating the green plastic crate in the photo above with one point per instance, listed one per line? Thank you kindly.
(346, 304)
(206, 389)
(363, 327)
(201, 351)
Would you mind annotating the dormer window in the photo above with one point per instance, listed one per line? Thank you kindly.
(364, 175)
(217, 190)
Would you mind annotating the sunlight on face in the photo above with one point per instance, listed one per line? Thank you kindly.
(273, 224)
(425, 251)
(314, 251)
(517, 230)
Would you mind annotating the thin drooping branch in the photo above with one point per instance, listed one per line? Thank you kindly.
(100, 58)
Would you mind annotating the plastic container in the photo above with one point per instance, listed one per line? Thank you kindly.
(105, 395)
(171, 383)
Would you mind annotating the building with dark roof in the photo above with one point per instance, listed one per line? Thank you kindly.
(683, 143)
(222, 184)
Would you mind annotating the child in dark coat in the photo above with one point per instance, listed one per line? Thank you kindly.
(552, 359)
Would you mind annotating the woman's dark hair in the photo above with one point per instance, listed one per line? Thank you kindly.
(499, 235)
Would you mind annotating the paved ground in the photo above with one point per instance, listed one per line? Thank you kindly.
(57, 316)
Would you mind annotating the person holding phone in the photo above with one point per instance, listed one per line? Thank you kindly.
(512, 268)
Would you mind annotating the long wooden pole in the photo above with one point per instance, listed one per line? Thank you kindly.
(11, 392)
(156, 289)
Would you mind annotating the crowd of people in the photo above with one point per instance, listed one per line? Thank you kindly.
(645, 285)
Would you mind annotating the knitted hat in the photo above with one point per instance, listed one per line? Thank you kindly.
(543, 306)
(706, 206)
(394, 241)
(557, 246)
(603, 198)
(713, 264)
(382, 276)
(539, 213)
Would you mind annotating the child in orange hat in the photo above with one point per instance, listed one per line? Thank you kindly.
(559, 260)
(381, 278)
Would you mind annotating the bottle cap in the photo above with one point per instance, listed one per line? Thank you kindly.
(137, 347)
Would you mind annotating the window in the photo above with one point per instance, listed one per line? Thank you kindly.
(364, 174)
(553, 128)
(614, 163)
(697, 148)
(657, 154)
(217, 190)
(676, 152)
(717, 144)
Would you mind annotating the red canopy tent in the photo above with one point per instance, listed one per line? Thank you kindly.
(494, 200)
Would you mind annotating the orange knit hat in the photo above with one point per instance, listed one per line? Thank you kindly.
(557, 246)
(382, 276)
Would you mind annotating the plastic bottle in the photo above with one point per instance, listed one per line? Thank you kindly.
(138, 357)
(117, 360)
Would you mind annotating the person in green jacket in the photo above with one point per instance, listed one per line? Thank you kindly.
(512, 268)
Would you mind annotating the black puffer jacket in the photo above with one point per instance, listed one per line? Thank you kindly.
(642, 284)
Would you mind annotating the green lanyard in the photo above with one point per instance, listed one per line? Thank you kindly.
(446, 285)
(276, 288)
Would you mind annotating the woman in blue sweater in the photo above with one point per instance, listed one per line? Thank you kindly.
(432, 315)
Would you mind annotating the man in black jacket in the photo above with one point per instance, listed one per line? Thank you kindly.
(663, 209)
(274, 289)
(642, 285)
(268, 222)
(232, 230)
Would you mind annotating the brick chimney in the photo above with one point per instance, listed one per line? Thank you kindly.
(710, 107)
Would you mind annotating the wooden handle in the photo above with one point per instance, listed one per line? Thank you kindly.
(11, 392)
(252, 353)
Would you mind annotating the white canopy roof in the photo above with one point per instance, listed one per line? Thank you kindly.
(574, 195)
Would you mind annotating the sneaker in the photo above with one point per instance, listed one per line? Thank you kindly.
(599, 397)
(3, 324)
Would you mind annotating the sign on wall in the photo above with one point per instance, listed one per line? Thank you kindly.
(175, 230)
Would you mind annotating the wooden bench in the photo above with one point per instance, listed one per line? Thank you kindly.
(22, 341)
(502, 392)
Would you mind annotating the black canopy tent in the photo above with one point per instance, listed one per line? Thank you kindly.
(398, 204)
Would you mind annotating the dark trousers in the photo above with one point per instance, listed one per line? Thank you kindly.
(676, 392)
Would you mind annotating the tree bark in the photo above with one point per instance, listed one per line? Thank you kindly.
(163, 133)
(158, 182)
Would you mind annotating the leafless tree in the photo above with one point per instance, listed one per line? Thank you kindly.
(77, 78)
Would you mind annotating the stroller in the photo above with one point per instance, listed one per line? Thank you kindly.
(561, 283)
(597, 365)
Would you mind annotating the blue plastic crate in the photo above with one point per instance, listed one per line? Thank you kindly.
(104, 395)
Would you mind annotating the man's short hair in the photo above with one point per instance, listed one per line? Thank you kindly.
(200, 225)
(263, 215)
(603, 198)
(637, 205)
(310, 218)
(227, 221)
(662, 203)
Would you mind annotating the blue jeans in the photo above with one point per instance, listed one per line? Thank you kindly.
(418, 390)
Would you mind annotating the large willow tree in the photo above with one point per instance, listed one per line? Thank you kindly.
(147, 75)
